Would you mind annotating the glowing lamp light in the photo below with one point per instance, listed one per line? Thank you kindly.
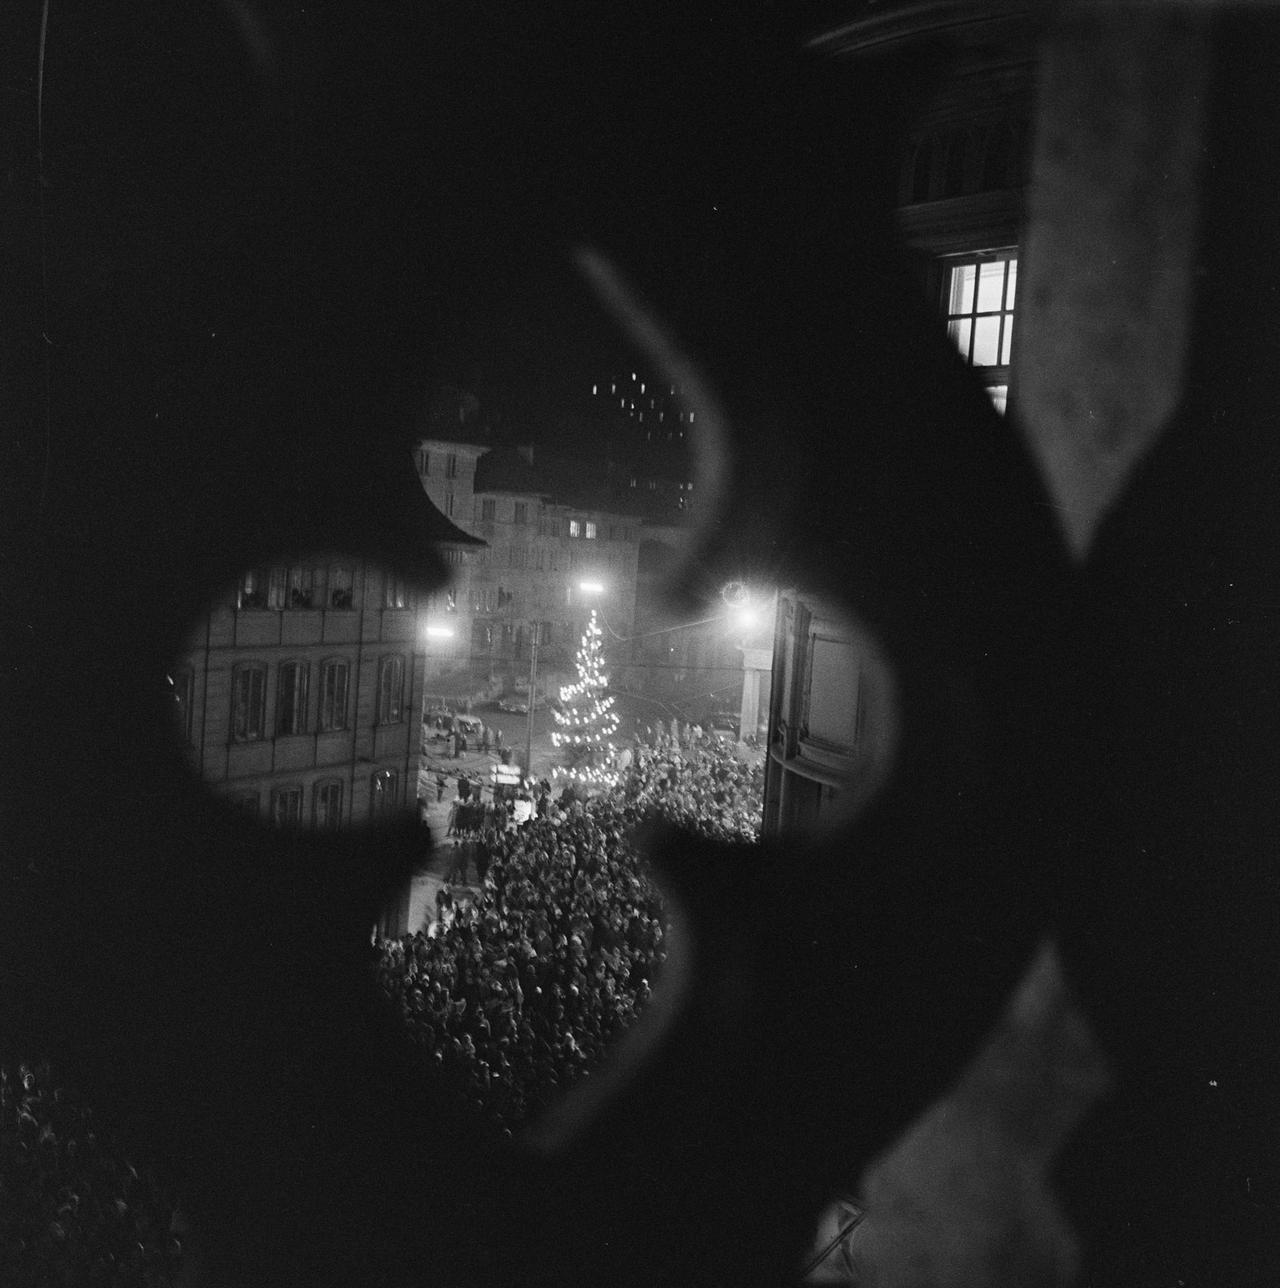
(746, 617)
(592, 587)
(438, 632)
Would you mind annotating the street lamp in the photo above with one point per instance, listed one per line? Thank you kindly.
(427, 633)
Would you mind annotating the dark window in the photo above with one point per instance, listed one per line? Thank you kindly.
(448, 504)
(922, 171)
(246, 803)
(544, 632)
(326, 805)
(277, 583)
(286, 806)
(521, 512)
(998, 163)
(957, 159)
(341, 586)
(301, 587)
(424, 461)
(248, 703)
(451, 466)
(291, 698)
(334, 676)
(183, 685)
(390, 689)
(383, 791)
(488, 510)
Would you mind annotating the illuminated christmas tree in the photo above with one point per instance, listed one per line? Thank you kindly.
(586, 719)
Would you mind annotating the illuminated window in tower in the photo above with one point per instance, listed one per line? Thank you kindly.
(979, 296)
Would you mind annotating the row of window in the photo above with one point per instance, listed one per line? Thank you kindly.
(424, 463)
(964, 161)
(294, 713)
(507, 635)
(311, 586)
(285, 804)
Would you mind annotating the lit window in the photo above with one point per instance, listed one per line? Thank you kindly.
(451, 601)
(393, 592)
(252, 591)
(390, 689)
(594, 390)
(633, 375)
(691, 418)
(591, 531)
(642, 386)
(248, 703)
(301, 586)
(291, 698)
(341, 586)
(326, 805)
(575, 528)
(979, 313)
(276, 588)
(334, 678)
(286, 806)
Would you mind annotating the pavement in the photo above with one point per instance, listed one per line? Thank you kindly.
(474, 764)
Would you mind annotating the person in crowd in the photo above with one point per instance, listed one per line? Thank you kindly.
(517, 993)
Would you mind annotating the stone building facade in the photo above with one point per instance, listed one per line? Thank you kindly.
(299, 694)
(544, 535)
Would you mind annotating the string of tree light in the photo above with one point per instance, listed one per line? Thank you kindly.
(586, 719)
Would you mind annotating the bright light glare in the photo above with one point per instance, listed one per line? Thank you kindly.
(592, 587)
(746, 618)
(439, 632)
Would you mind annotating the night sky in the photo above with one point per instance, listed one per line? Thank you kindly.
(210, 177)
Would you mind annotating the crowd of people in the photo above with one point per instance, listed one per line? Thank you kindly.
(73, 1210)
(516, 992)
(693, 779)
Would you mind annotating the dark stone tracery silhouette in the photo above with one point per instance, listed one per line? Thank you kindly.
(240, 330)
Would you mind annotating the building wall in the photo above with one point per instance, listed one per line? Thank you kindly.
(827, 714)
(537, 553)
(352, 615)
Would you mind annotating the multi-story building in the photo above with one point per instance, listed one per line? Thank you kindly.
(546, 530)
(299, 695)
(959, 214)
